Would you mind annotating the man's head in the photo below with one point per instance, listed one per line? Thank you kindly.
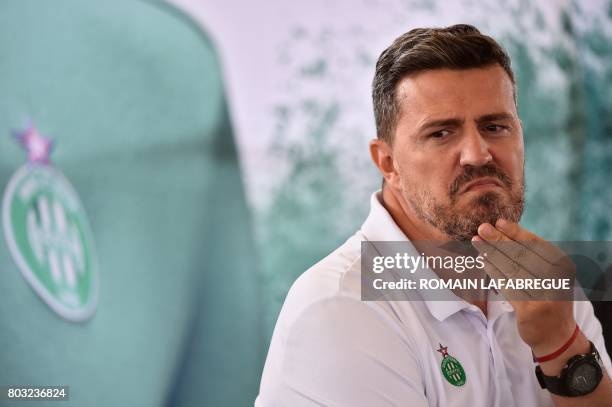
(445, 110)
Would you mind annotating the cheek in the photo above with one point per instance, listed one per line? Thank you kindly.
(511, 160)
(421, 174)
(518, 166)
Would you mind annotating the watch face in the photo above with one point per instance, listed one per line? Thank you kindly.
(584, 377)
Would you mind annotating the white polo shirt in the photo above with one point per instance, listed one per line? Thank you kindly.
(329, 348)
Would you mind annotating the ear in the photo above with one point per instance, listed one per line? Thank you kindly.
(382, 156)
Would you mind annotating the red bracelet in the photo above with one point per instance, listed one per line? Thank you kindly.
(562, 349)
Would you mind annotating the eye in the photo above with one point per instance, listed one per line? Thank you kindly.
(440, 134)
(495, 128)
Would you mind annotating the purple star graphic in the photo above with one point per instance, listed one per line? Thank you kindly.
(37, 146)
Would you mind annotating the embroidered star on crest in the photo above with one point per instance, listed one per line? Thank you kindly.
(443, 350)
(37, 146)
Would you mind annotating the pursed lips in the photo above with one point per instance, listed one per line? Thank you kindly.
(481, 182)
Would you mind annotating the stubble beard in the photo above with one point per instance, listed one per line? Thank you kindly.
(487, 207)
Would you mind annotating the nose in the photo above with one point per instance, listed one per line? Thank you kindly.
(474, 150)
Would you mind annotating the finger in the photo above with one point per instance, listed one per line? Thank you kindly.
(555, 262)
(511, 257)
(495, 273)
(500, 263)
(511, 270)
(533, 242)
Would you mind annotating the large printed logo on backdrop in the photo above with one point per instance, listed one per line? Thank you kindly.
(48, 233)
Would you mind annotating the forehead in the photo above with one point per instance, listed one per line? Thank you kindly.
(444, 93)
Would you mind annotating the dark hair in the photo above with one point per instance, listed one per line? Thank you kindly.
(459, 46)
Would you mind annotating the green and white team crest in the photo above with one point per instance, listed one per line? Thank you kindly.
(451, 368)
(49, 237)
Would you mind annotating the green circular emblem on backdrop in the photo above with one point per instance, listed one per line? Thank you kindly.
(49, 237)
(453, 371)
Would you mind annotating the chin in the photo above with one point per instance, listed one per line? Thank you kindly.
(490, 206)
(490, 200)
(486, 208)
(484, 203)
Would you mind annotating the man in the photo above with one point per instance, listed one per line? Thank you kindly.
(450, 149)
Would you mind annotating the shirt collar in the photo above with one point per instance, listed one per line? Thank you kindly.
(380, 226)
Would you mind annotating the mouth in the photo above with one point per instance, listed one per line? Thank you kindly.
(482, 184)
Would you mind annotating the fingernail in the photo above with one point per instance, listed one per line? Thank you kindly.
(487, 230)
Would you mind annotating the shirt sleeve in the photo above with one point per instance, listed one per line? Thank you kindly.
(591, 327)
(343, 352)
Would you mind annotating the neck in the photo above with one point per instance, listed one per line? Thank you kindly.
(417, 229)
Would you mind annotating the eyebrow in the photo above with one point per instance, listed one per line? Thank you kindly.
(454, 122)
(494, 117)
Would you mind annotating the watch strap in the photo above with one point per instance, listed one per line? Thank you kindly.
(553, 384)
(558, 384)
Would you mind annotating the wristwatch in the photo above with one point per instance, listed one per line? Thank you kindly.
(579, 377)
